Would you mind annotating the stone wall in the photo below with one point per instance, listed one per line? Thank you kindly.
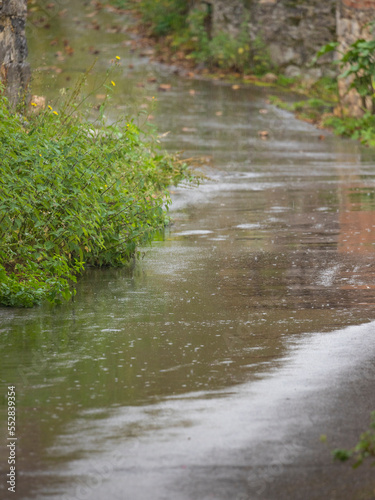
(292, 30)
(353, 17)
(227, 16)
(14, 70)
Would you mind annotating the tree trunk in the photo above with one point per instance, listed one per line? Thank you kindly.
(14, 70)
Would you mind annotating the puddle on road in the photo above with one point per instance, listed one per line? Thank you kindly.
(277, 243)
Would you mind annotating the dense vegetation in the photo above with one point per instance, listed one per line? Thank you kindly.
(187, 31)
(358, 64)
(73, 194)
(324, 108)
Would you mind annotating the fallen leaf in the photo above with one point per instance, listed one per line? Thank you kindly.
(97, 5)
(147, 52)
(113, 29)
(92, 14)
(236, 87)
(93, 50)
(263, 134)
(111, 8)
(152, 79)
(165, 87)
(250, 78)
(164, 135)
(270, 78)
(140, 84)
(69, 50)
(219, 113)
(321, 137)
(192, 92)
(100, 96)
(59, 56)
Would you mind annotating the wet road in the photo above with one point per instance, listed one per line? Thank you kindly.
(245, 333)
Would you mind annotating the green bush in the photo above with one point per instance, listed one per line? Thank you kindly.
(224, 50)
(357, 64)
(164, 16)
(74, 194)
(362, 129)
(187, 29)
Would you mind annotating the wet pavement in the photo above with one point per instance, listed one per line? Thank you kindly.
(245, 333)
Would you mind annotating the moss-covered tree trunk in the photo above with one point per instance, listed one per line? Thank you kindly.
(14, 70)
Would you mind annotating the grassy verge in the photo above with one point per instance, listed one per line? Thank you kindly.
(312, 110)
(325, 113)
(182, 35)
(73, 194)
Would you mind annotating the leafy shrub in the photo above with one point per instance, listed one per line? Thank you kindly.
(227, 51)
(362, 129)
(74, 194)
(357, 63)
(186, 29)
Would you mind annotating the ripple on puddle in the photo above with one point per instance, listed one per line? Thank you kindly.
(195, 232)
(248, 226)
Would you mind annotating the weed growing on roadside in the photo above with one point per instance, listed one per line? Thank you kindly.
(164, 16)
(365, 448)
(223, 50)
(357, 64)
